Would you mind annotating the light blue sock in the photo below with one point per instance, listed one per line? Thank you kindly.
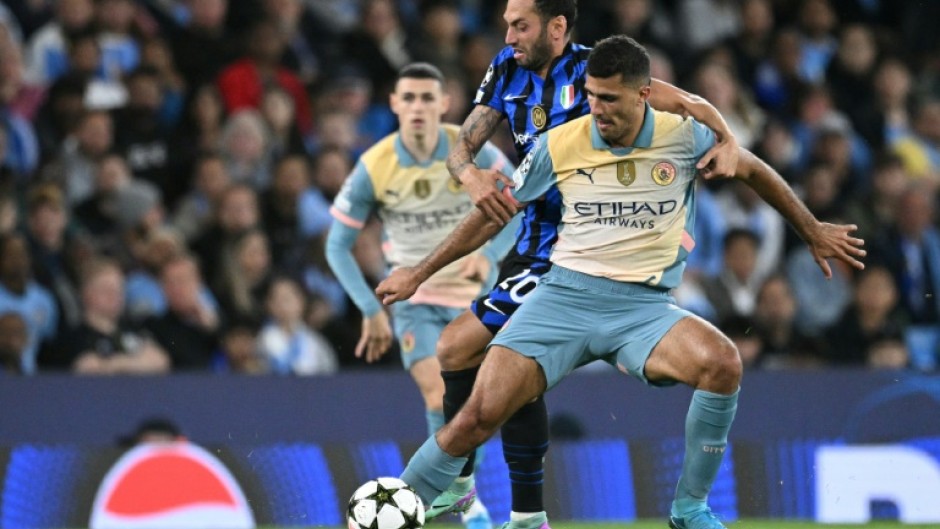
(431, 470)
(706, 437)
(435, 420)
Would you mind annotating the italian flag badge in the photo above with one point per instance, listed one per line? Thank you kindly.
(567, 96)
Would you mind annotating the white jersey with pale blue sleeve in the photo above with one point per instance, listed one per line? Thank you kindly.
(628, 213)
(419, 204)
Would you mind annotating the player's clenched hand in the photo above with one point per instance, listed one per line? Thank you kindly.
(475, 268)
(481, 185)
(720, 161)
(833, 240)
(376, 337)
(398, 286)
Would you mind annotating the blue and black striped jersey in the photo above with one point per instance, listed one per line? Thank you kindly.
(533, 105)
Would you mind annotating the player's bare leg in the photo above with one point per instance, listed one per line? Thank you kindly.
(427, 375)
(507, 380)
(460, 351)
(697, 354)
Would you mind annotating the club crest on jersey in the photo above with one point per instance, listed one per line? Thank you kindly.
(664, 173)
(626, 172)
(566, 97)
(422, 188)
(539, 117)
(408, 342)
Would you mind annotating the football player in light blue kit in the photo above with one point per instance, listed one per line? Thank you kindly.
(626, 175)
(404, 180)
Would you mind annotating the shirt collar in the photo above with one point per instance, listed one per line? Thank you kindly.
(405, 159)
(643, 140)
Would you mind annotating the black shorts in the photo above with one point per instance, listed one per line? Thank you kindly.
(518, 276)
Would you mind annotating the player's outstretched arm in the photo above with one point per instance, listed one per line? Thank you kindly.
(480, 183)
(824, 240)
(721, 160)
(376, 335)
(472, 232)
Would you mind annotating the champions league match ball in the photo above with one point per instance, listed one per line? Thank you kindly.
(385, 503)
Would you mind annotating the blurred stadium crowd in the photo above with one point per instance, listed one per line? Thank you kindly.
(168, 166)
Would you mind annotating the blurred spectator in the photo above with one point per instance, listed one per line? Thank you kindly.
(820, 301)
(242, 84)
(120, 52)
(379, 45)
(140, 212)
(23, 296)
(247, 149)
(14, 341)
(438, 40)
(203, 47)
(103, 343)
(775, 315)
(143, 140)
(778, 79)
(21, 148)
(850, 77)
(817, 22)
(892, 86)
(84, 54)
(188, 329)
(920, 149)
(280, 209)
(244, 277)
(157, 57)
(875, 207)
(910, 249)
(98, 213)
(330, 167)
(311, 43)
(825, 134)
(723, 16)
(871, 317)
(62, 109)
(752, 43)
(744, 209)
(56, 252)
(239, 352)
(290, 346)
(47, 55)
(734, 290)
(73, 168)
(779, 148)
(348, 115)
(236, 212)
(145, 297)
(719, 86)
(277, 109)
(193, 214)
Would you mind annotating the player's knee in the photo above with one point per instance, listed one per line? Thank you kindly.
(724, 368)
(453, 354)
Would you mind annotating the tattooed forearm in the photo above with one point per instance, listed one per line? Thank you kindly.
(477, 128)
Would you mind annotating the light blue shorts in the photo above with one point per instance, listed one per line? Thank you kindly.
(418, 327)
(572, 319)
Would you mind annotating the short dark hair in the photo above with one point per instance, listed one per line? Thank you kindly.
(622, 55)
(548, 9)
(420, 70)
